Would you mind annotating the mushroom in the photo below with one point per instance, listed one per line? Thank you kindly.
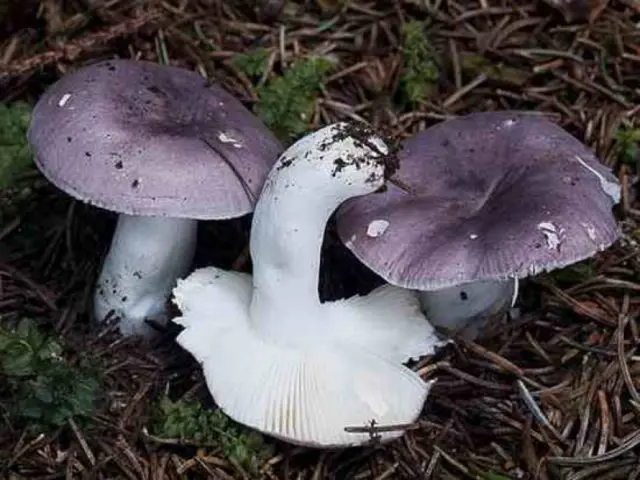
(479, 202)
(163, 149)
(466, 308)
(274, 357)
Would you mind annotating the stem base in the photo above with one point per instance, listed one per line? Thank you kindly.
(146, 257)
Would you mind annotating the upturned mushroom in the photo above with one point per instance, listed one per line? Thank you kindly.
(479, 202)
(163, 149)
(274, 357)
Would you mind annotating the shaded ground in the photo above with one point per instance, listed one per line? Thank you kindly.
(570, 353)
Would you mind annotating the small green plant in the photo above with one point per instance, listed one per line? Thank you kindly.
(286, 102)
(420, 72)
(493, 476)
(628, 144)
(190, 422)
(475, 64)
(575, 273)
(38, 389)
(15, 156)
(252, 64)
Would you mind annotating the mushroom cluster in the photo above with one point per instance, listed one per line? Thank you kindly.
(476, 204)
(485, 199)
(163, 149)
(308, 369)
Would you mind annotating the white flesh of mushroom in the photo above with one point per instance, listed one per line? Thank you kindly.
(277, 359)
(466, 308)
(146, 257)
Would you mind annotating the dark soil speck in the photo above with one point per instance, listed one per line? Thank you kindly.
(362, 137)
(285, 162)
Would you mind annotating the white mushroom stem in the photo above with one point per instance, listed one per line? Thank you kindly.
(288, 229)
(146, 257)
(466, 308)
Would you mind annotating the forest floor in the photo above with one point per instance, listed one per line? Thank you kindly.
(549, 393)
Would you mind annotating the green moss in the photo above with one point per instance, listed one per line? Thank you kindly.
(39, 390)
(286, 101)
(627, 144)
(190, 422)
(494, 476)
(252, 64)
(420, 71)
(576, 273)
(474, 64)
(15, 156)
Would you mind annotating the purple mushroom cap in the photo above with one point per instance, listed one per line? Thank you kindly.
(487, 196)
(140, 138)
